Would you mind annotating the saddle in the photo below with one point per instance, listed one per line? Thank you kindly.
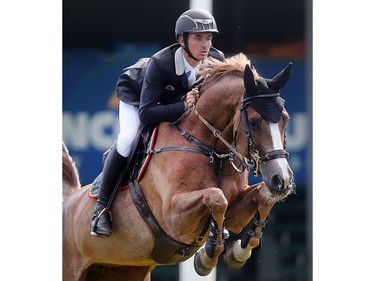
(137, 161)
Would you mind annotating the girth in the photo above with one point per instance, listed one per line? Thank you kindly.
(166, 249)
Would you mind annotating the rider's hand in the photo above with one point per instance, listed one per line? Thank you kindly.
(191, 98)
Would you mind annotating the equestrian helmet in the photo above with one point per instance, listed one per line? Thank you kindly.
(195, 21)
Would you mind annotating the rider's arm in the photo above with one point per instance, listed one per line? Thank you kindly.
(151, 108)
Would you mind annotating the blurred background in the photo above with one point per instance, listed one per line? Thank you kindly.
(100, 38)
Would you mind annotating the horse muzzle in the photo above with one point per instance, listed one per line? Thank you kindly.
(278, 177)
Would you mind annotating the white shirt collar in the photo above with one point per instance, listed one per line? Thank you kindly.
(188, 67)
(182, 65)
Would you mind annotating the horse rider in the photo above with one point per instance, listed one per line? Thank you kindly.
(154, 90)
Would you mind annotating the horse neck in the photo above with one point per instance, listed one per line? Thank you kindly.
(218, 105)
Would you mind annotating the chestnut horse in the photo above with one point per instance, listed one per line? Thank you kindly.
(195, 184)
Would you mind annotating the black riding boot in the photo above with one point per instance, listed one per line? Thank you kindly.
(113, 169)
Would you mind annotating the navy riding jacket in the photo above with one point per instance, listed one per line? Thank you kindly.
(158, 84)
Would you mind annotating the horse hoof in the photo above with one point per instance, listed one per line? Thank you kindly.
(229, 259)
(200, 269)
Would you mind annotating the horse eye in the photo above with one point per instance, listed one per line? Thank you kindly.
(253, 123)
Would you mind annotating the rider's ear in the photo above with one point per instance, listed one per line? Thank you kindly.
(181, 41)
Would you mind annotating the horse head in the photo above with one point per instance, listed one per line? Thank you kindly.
(265, 119)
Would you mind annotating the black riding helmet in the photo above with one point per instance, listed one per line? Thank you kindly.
(194, 21)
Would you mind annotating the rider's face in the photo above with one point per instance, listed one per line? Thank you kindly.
(199, 44)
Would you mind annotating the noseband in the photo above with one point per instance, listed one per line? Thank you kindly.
(252, 151)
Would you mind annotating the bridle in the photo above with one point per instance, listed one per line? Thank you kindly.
(252, 151)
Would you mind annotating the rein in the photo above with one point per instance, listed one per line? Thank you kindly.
(217, 134)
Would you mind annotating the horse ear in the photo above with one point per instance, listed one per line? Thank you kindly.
(248, 79)
(278, 82)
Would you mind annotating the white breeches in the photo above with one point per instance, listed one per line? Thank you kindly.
(129, 124)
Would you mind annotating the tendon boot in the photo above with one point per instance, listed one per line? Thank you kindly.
(113, 170)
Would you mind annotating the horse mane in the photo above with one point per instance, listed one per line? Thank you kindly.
(70, 177)
(216, 69)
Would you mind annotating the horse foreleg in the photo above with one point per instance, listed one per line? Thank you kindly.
(207, 258)
(243, 208)
(194, 206)
(239, 252)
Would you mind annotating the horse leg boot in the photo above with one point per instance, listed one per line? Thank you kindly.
(113, 170)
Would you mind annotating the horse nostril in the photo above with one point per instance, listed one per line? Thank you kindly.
(277, 182)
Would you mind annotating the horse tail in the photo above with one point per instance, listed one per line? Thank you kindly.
(70, 177)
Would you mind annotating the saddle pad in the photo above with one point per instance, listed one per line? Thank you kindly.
(94, 189)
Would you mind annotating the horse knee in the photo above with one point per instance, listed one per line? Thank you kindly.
(215, 200)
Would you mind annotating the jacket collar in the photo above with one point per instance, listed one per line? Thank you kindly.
(179, 62)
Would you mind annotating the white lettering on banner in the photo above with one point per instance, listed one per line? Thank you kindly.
(74, 130)
(297, 134)
(101, 121)
(81, 130)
